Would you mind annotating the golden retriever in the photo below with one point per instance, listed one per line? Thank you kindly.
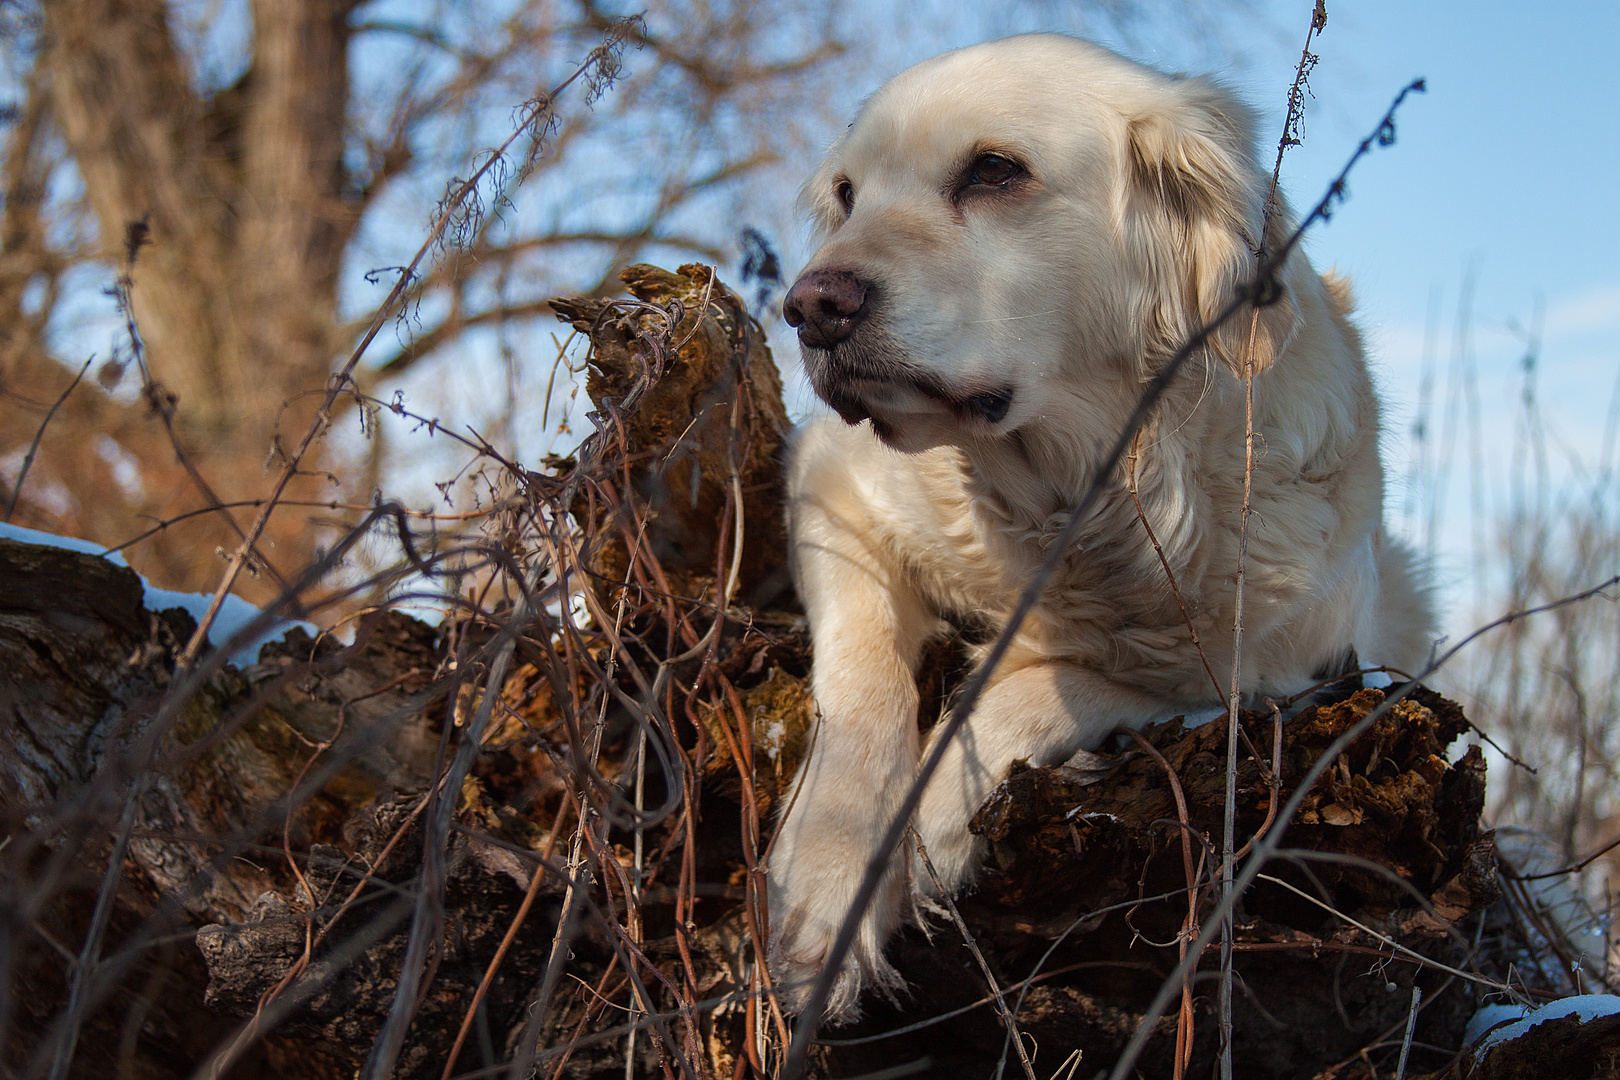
(1015, 237)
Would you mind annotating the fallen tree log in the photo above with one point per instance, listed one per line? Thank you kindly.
(1090, 881)
(598, 895)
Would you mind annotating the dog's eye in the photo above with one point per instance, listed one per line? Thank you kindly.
(846, 194)
(993, 170)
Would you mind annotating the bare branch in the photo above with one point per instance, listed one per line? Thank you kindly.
(33, 447)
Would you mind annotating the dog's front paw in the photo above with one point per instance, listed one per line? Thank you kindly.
(947, 859)
(798, 960)
(808, 905)
(953, 853)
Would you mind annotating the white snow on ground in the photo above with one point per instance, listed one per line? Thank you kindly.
(1522, 1019)
(234, 613)
(34, 536)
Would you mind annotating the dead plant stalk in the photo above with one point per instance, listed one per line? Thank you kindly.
(1292, 129)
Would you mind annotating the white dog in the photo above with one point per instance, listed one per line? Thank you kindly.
(1017, 236)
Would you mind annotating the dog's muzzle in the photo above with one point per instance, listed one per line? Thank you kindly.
(857, 383)
(858, 369)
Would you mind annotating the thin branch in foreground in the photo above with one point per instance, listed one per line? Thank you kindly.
(1007, 1019)
(1480, 980)
(534, 120)
(162, 403)
(1191, 874)
(1574, 868)
(1170, 575)
(1291, 136)
(95, 976)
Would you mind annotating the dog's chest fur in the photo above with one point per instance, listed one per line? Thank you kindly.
(974, 527)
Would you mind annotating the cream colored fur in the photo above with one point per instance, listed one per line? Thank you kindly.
(1142, 207)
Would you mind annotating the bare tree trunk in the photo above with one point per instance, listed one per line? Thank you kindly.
(248, 210)
(236, 295)
(135, 128)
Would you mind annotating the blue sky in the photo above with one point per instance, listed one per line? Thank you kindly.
(1510, 158)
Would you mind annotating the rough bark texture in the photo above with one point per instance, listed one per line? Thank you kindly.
(85, 672)
(1067, 843)
(689, 440)
(276, 850)
(1565, 1048)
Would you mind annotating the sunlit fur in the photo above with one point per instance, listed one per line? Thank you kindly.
(1142, 209)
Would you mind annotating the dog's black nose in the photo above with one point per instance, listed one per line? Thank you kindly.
(826, 306)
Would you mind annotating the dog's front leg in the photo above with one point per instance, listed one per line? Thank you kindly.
(868, 625)
(1042, 710)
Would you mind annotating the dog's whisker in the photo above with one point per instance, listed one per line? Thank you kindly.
(1013, 318)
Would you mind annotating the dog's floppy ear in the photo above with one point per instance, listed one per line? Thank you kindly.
(1199, 201)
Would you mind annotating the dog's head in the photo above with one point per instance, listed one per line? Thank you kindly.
(1023, 227)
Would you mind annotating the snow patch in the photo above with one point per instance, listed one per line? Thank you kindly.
(234, 613)
(1483, 1030)
(71, 543)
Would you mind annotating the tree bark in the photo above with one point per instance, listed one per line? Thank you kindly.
(235, 294)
